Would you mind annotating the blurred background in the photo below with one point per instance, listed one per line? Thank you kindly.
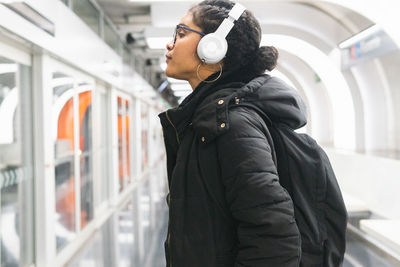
(82, 160)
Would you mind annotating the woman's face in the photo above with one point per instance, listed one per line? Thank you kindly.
(181, 58)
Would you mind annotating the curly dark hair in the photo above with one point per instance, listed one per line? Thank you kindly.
(244, 51)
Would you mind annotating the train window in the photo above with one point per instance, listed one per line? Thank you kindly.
(123, 143)
(103, 151)
(145, 126)
(121, 139)
(86, 154)
(88, 13)
(16, 165)
(126, 56)
(72, 106)
(66, 2)
(145, 210)
(111, 38)
(127, 135)
(64, 162)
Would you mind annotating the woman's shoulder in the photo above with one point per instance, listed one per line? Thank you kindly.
(244, 119)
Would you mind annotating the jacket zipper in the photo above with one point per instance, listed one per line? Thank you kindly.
(176, 132)
(237, 100)
(168, 237)
(169, 196)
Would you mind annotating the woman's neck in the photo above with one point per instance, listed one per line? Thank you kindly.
(194, 82)
(203, 72)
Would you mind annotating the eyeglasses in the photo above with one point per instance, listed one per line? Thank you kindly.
(179, 26)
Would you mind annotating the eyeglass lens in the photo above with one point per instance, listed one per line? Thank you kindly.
(175, 33)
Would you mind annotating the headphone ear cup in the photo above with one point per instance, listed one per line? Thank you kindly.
(212, 48)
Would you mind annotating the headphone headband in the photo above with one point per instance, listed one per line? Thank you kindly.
(228, 23)
(213, 47)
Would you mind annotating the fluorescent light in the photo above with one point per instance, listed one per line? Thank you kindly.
(360, 36)
(182, 93)
(172, 80)
(9, 1)
(181, 87)
(7, 111)
(158, 42)
(162, 86)
(155, 1)
(31, 14)
(8, 68)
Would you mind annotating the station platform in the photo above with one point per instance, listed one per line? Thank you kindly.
(135, 238)
(82, 160)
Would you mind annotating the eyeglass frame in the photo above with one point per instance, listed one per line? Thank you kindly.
(180, 26)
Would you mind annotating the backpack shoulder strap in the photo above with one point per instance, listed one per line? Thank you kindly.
(278, 147)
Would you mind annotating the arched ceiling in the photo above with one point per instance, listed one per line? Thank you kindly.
(323, 24)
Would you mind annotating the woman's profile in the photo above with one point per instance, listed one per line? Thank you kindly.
(226, 206)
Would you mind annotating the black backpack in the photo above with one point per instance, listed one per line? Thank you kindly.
(305, 172)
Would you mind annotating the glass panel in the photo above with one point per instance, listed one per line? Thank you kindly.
(63, 110)
(144, 121)
(89, 255)
(126, 57)
(111, 37)
(128, 245)
(127, 161)
(144, 207)
(103, 150)
(16, 177)
(85, 146)
(88, 13)
(120, 145)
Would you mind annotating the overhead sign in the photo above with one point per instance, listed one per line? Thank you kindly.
(373, 45)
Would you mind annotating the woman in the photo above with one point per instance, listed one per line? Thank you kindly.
(226, 207)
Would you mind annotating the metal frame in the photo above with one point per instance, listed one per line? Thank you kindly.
(25, 188)
(124, 97)
(97, 7)
(50, 66)
(103, 17)
(44, 182)
(100, 92)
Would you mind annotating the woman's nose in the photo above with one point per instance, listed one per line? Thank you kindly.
(170, 45)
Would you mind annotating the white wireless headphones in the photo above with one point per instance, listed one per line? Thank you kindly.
(213, 46)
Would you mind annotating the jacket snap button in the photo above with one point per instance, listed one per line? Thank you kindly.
(220, 102)
(222, 125)
(203, 139)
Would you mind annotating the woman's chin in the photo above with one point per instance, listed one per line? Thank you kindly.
(169, 73)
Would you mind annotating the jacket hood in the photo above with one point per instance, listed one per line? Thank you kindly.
(270, 95)
(280, 102)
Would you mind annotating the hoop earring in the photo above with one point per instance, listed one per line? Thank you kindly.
(198, 76)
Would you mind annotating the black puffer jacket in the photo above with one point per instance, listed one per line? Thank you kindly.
(226, 206)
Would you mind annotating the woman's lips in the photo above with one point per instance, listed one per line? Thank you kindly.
(168, 58)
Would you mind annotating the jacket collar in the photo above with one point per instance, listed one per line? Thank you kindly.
(211, 118)
(206, 109)
(181, 117)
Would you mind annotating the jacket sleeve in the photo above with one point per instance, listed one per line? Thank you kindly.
(267, 233)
